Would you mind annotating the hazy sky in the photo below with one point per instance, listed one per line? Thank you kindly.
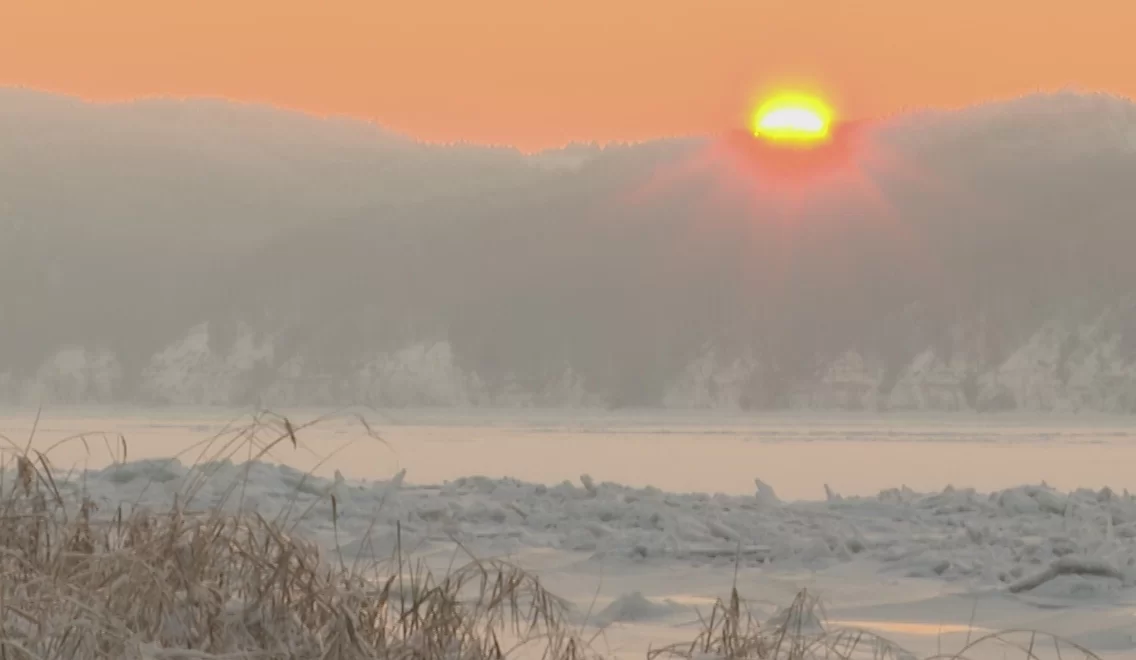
(535, 73)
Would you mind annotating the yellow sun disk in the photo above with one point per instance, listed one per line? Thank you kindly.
(792, 118)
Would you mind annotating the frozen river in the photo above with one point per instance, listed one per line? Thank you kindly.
(928, 568)
(678, 452)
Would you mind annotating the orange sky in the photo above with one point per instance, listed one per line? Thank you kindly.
(536, 73)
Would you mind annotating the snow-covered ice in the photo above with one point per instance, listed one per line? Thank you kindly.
(993, 540)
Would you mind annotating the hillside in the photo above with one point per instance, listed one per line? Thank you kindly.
(202, 252)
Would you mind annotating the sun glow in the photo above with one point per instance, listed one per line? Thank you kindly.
(795, 118)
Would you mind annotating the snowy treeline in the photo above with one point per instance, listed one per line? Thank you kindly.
(204, 252)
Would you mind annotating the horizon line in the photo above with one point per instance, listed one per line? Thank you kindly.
(376, 123)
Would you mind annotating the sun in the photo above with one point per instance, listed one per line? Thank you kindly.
(792, 118)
